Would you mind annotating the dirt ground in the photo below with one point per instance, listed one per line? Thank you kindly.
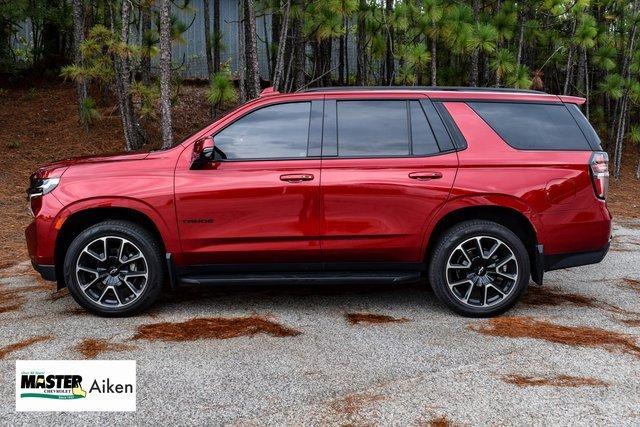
(39, 125)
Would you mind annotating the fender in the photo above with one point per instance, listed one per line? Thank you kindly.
(169, 235)
(488, 200)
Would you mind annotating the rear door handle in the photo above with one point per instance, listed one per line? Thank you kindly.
(425, 176)
(299, 177)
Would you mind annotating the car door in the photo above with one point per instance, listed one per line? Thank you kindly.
(386, 170)
(258, 202)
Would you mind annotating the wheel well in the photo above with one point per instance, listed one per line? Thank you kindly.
(80, 221)
(510, 218)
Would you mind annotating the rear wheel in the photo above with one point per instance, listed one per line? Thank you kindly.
(479, 268)
(114, 268)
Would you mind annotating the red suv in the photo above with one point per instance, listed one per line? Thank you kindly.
(476, 190)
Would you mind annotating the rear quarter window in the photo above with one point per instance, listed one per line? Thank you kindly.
(533, 126)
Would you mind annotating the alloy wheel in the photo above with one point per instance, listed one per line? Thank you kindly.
(482, 271)
(112, 271)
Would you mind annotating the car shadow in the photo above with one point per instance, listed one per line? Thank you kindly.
(256, 295)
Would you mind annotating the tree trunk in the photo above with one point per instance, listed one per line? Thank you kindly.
(582, 68)
(434, 65)
(276, 31)
(346, 50)
(145, 60)
(475, 55)
(325, 69)
(251, 50)
(282, 45)
(360, 46)
(207, 37)
(522, 19)
(341, 60)
(242, 70)
(626, 74)
(271, 60)
(389, 63)
(78, 38)
(133, 133)
(586, 83)
(300, 55)
(567, 81)
(165, 72)
(217, 34)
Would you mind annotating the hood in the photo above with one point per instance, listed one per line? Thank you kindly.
(57, 168)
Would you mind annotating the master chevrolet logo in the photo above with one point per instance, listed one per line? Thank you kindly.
(52, 386)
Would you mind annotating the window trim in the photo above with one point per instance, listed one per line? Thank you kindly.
(458, 140)
(273, 159)
(426, 117)
(531, 149)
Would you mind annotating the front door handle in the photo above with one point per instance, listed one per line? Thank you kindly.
(425, 176)
(299, 177)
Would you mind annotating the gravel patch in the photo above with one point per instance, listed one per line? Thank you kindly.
(356, 355)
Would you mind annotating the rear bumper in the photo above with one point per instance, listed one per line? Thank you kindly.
(558, 261)
(48, 272)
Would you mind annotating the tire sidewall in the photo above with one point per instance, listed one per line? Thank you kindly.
(138, 237)
(458, 234)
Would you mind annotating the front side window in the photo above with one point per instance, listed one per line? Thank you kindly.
(272, 132)
(372, 128)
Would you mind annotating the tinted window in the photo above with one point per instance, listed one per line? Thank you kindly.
(437, 125)
(449, 124)
(422, 138)
(277, 131)
(533, 126)
(372, 128)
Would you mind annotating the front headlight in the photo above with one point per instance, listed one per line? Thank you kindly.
(42, 186)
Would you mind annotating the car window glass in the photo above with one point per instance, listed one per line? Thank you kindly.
(372, 128)
(276, 131)
(422, 138)
(531, 126)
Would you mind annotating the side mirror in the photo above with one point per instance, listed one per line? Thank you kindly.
(203, 151)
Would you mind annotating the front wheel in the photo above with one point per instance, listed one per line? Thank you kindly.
(114, 268)
(479, 268)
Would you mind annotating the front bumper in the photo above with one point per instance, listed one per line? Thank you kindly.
(568, 260)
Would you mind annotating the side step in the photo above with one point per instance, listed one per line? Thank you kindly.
(303, 278)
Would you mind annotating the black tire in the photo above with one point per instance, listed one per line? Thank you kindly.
(147, 245)
(444, 249)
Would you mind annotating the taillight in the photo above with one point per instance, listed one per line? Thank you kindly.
(600, 173)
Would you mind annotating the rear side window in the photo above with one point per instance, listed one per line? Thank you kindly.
(422, 137)
(533, 126)
(372, 128)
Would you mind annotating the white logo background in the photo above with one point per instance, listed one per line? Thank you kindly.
(116, 371)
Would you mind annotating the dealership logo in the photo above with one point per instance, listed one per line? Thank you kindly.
(52, 386)
(79, 385)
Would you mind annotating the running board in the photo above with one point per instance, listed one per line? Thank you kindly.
(303, 278)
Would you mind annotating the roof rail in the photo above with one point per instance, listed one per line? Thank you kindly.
(423, 88)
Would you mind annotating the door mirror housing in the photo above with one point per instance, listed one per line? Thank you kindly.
(203, 151)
